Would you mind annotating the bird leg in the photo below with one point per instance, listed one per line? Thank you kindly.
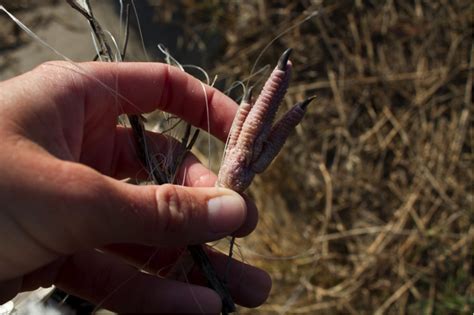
(254, 140)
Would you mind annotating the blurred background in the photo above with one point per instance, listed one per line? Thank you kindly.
(369, 209)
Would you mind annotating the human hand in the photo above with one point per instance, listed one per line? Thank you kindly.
(60, 160)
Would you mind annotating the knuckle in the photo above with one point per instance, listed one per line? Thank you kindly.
(45, 66)
(203, 114)
(173, 206)
(61, 75)
(53, 69)
(76, 180)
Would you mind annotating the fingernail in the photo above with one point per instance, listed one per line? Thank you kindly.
(226, 213)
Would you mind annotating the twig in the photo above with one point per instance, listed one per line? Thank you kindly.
(127, 30)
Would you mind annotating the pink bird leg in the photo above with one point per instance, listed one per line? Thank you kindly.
(253, 142)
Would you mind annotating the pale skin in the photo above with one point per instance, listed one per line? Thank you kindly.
(62, 159)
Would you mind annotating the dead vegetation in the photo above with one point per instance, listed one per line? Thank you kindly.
(370, 207)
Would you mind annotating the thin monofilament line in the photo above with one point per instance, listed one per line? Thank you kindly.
(208, 118)
(233, 85)
(201, 69)
(121, 14)
(310, 16)
(33, 35)
(118, 54)
(168, 57)
(140, 33)
(184, 273)
(124, 282)
(229, 260)
(96, 47)
(71, 62)
(209, 143)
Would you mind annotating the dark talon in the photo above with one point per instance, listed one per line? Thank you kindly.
(284, 59)
(304, 104)
(247, 95)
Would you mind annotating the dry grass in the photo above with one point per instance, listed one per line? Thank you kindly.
(370, 208)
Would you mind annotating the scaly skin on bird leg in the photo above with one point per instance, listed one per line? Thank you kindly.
(254, 140)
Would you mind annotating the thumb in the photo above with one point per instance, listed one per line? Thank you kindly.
(104, 210)
(57, 208)
(171, 215)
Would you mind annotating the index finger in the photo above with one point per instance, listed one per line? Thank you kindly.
(144, 87)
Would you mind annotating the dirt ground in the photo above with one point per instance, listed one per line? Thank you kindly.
(370, 207)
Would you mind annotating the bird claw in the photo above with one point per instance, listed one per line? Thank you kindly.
(254, 140)
(283, 61)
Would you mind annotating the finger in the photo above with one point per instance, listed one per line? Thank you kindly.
(108, 283)
(249, 286)
(143, 87)
(172, 215)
